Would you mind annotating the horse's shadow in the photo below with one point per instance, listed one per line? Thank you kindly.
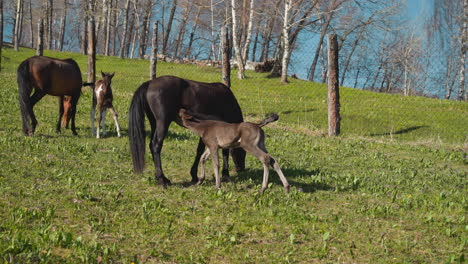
(256, 175)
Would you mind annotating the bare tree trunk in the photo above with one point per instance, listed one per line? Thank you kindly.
(50, 12)
(91, 44)
(285, 40)
(192, 34)
(129, 36)
(31, 24)
(257, 32)
(334, 118)
(40, 38)
(269, 30)
(84, 32)
(115, 29)
(145, 29)
(1, 32)
(108, 27)
(17, 24)
(154, 51)
(183, 24)
(319, 46)
(169, 26)
(226, 68)
(348, 60)
(62, 26)
(123, 41)
(132, 52)
(462, 95)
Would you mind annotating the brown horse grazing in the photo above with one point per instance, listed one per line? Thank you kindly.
(102, 98)
(51, 76)
(160, 100)
(218, 134)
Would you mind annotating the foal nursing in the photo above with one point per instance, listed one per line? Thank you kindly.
(218, 134)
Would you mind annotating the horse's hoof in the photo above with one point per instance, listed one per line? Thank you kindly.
(226, 178)
(163, 181)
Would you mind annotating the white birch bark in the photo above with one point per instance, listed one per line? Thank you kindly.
(236, 42)
(285, 39)
(245, 49)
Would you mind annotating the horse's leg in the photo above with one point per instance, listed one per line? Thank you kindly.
(194, 169)
(162, 126)
(116, 121)
(37, 95)
(74, 101)
(93, 114)
(225, 171)
(204, 157)
(61, 110)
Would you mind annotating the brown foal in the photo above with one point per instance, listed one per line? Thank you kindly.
(218, 134)
(102, 99)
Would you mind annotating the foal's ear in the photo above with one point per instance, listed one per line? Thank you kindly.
(112, 75)
(103, 74)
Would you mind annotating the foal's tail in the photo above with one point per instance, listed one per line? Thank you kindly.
(136, 127)
(24, 89)
(272, 118)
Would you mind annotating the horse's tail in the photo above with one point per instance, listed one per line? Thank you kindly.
(136, 127)
(272, 118)
(24, 89)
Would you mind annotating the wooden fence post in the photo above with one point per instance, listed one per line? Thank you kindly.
(154, 51)
(333, 87)
(226, 63)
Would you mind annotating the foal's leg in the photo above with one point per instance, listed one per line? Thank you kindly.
(264, 158)
(103, 121)
(214, 157)
(274, 164)
(93, 114)
(61, 110)
(114, 114)
(204, 157)
(100, 110)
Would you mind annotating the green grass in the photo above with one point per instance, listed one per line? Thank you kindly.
(391, 189)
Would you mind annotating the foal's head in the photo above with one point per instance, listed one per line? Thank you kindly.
(106, 80)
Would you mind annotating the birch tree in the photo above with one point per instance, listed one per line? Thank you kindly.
(241, 49)
(123, 39)
(17, 24)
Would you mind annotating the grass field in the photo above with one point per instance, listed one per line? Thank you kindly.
(391, 189)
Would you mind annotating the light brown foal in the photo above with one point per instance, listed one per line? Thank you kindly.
(102, 99)
(218, 134)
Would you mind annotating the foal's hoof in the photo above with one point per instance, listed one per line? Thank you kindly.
(199, 182)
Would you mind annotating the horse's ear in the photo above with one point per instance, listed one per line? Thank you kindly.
(103, 74)
(112, 75)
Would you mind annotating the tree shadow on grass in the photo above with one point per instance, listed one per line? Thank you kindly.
(298, 111)
(399, 132)
(256, 175)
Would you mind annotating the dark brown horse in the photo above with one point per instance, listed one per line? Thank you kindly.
(160, 99)
(45, 75)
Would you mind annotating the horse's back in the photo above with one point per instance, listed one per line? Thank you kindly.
(55, 76)
(206, 98)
